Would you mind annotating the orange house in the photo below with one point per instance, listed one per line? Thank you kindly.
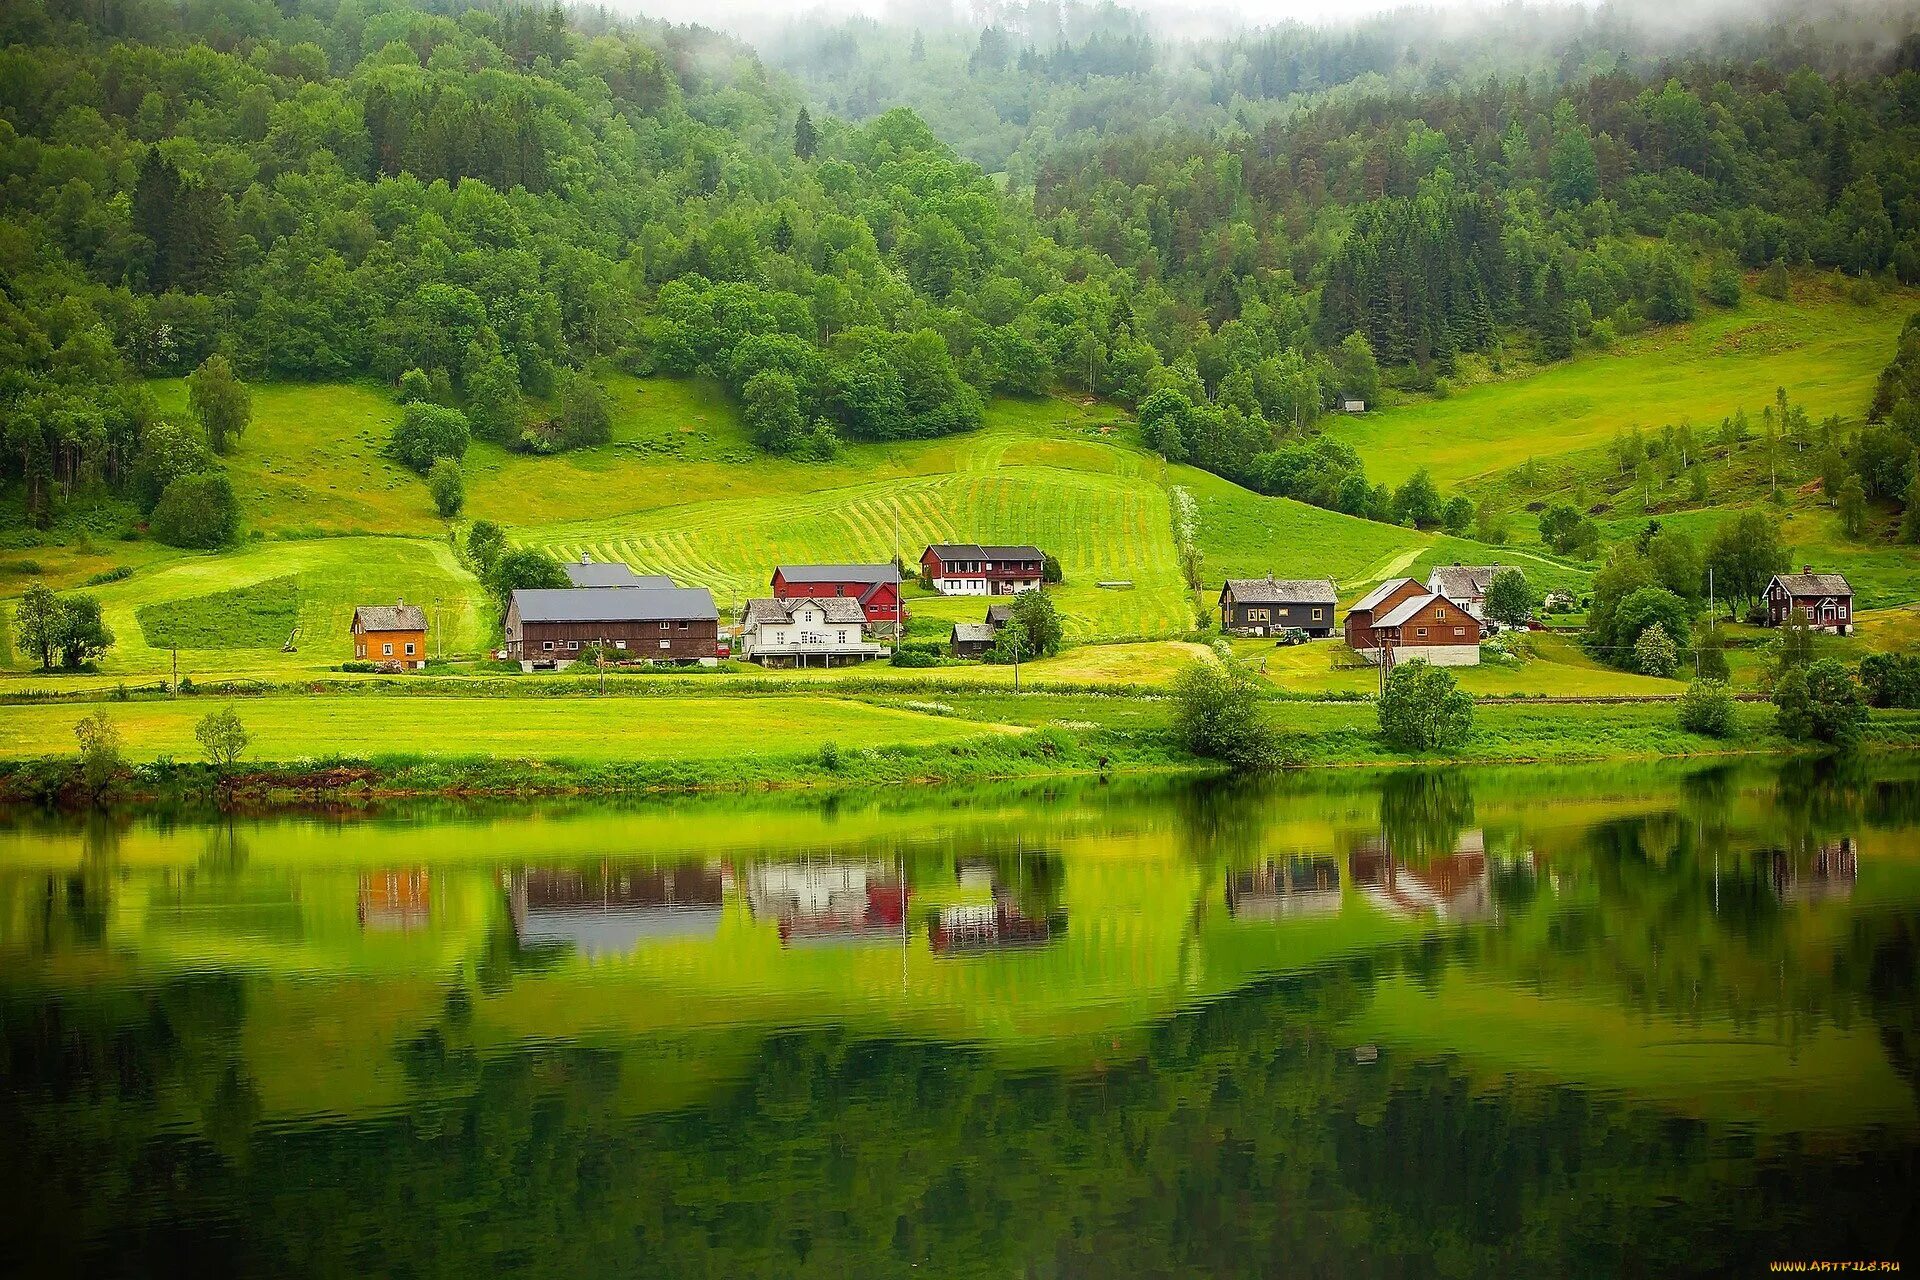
(394, 633)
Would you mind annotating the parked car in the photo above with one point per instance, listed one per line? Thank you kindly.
(1292, 635)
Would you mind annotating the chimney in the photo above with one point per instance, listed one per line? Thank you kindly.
(586, 557)
(1806, 568)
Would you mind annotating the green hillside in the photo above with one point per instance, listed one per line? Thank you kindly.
(1824, 350)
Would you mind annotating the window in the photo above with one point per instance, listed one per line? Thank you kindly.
(683, 626)
(1439, 615)
(573, 644)
(547, 645)
(666, 644)
(409, 648)
(1420, 632)
(1316, 615)
(1256, 615)
(386, 650)
(619, 644)
(1843, 611)
(1460, 631)
(840, 637)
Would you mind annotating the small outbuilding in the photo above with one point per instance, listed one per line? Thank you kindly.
(395, 633)
(972, 639)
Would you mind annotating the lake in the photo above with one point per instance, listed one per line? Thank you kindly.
(1645, 1019)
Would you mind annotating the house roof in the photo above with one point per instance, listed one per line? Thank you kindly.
(998, 614)
(1380, 593)
(982, 551)
(838, 609)
(1814, 584)
(390, 617)
(1458, 580)
(588, 573)
(874, 574)
(1283, 590)
(616, 604)
(972, 632)
(1407, 608)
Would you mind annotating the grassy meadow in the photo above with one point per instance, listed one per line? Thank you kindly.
(1824, 350)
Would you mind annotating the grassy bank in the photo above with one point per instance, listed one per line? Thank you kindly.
(338, 746)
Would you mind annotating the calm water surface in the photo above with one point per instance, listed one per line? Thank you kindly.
(1573, 1022)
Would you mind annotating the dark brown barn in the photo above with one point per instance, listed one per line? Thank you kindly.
(550, 628)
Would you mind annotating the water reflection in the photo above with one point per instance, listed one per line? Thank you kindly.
(1578, 1022)
(612, 909)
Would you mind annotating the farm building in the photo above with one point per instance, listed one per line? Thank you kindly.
(970, 569)
(972, 639)
(875, 586)
(999, 614)
(805, 632)
(1263, 606)
(549, 627)
(1401, 619)
(596, 913)
(1464, 584)
(590, 573)
(395, 633)
(1825, 600)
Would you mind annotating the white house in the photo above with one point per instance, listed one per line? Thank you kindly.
(807, 632)
(1465, 585)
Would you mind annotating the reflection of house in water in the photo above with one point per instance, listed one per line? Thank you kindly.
(828, 901)
(395, 901)
(1456, 886)
(1830, 873)
(1297, 886)
(612, 909)
(1023, 912)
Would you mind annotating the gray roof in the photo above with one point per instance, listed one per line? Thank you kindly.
(972, 632)
(1814, 584)
(1282, 590)
(612, 574)
(868, 573)
(838, 609)
(1381, 592)
(616, 604)
(998, 614)
(1462, 580)
(981, 551)
(390, 617)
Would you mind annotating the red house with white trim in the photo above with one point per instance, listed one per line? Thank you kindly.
(971, 569)
(875, 586)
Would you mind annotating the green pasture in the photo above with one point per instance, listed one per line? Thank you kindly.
(1556, 668)
(589, 730)
(1824, 350)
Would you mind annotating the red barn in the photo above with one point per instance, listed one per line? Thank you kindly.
(875, 586)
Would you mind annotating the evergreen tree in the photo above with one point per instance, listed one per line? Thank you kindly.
(805, 140)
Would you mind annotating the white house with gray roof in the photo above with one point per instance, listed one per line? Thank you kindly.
(829, 631)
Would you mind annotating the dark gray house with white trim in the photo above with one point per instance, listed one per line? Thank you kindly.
(1267, 606)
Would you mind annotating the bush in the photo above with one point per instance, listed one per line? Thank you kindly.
(221, 736)
(1819, 702)
(918, 653)
(830, 758)
(1723, 287)
(119, 573)
(429, 431)
(1424, 708)
(448, 487)
(1217, 717)
(1654, 653)
(1891, 679)
(1707, 708)
(197, 511)
(415, 386)
(99, 743)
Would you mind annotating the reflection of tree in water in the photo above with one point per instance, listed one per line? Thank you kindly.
(225, 851)
(845, 1157)
(1423, 811)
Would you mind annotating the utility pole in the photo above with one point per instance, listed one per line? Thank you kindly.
(1016, 654)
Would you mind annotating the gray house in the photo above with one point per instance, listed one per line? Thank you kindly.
(1265, 606)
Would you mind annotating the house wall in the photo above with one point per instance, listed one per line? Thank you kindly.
(879, 608)
(975, 578)
(695, 641)
(1821, 612)
(391, 646)
(798, 639)
(1248, 619)
(1359, 628)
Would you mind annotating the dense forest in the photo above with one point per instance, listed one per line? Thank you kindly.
(470, 204)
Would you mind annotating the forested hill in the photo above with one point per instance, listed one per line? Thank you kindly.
(473, 204)
(1022, 82)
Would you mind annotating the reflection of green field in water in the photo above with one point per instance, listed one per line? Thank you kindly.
(1138, 878)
